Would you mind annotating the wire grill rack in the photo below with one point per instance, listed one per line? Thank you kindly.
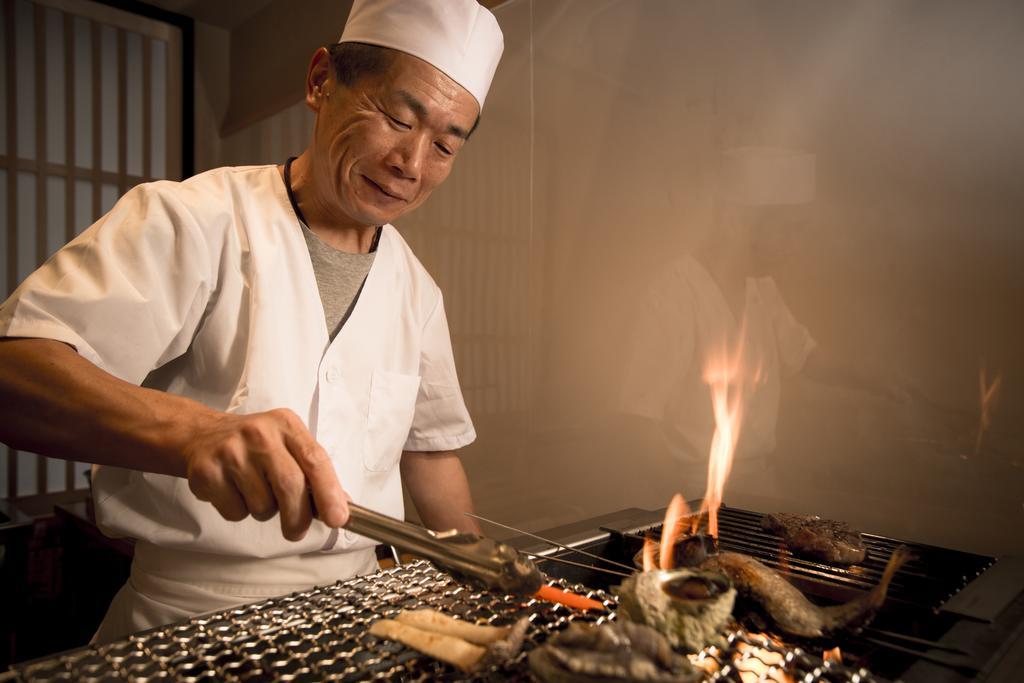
(323, 635)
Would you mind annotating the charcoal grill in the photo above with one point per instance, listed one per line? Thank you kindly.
(322, 634)
(950, 616)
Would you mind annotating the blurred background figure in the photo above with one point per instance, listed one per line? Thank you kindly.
(723, 301)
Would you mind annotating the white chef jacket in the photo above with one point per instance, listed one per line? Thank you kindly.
(204, 288)
(681, 319)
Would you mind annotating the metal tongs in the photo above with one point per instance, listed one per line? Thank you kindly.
(479, 559)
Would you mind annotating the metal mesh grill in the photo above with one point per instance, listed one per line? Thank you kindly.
(323, 635)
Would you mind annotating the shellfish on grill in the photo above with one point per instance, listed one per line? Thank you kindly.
(616, 651)
(688, 606)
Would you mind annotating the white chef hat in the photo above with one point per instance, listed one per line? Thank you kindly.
(458, 37)
(767, 176)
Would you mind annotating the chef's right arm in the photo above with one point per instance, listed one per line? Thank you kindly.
(80, 335)
(56, 403)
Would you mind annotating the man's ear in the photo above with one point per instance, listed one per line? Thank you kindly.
(317, 77)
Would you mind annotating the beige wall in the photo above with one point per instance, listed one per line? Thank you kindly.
(597, 170)
(905, 267)
(272, 139)
(250, 80)
(270, 52)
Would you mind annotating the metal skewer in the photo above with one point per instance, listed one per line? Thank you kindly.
(550, 542)
(544, 558)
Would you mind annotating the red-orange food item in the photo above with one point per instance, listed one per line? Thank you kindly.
(552, 594)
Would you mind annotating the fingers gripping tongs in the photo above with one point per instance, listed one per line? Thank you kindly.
(482, 560)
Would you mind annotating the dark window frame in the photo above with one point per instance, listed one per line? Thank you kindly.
(187, 27)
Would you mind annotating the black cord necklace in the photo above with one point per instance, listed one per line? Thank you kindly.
(298, 211)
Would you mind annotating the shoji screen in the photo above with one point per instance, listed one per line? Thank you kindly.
(91, 107)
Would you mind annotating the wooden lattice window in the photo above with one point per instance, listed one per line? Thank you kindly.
(92, 105)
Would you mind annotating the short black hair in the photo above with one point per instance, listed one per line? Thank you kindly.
(354, 61)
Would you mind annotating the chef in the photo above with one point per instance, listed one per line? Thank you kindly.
(242, 353)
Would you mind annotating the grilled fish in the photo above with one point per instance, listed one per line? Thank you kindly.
(787, 606)
(823, 539)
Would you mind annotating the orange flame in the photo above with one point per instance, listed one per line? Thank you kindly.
(695, 521)
(728, 379)
(833, 655)
(752, 664)
(730, 376)
(675, 516)
(989, 393)
(649, 547)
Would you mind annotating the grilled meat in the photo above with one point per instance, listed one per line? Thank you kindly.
(787, 606)
(617, 651)
(823, 539)
(688, 551)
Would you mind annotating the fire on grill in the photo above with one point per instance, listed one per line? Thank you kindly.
(907, 632)
(655, 592)
(691, 609)
(327, 633)
(707, 583)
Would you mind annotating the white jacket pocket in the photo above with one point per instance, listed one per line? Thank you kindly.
(391, 411)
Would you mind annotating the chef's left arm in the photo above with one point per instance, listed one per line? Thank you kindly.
(864, 375)
(439, 489)
(432, 471)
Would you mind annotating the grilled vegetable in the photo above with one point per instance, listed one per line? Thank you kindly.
(439, 622)
(468, 647)
(553, 594)
(455, 651)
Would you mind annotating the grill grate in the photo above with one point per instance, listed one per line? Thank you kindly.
(322, 635)
(905, 630)
(928, 580)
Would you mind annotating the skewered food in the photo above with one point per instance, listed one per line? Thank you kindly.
(619, 651)
(468, 647)
(787, 606)
(823, 539)
(688, 606)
